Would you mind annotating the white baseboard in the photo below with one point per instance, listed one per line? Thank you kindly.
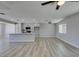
(68, 42)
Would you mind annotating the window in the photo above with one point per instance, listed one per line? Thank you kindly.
(62, 28)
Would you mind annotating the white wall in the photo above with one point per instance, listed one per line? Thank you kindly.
(5, 30)
(3, 41)
(9, 29)
(72, 35)
(2, 30)
(18, 28)
(47, 30)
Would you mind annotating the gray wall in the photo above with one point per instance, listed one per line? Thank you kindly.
(47, 30)
(72, 35)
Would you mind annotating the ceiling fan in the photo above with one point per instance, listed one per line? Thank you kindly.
(2, 13)
(59, 3)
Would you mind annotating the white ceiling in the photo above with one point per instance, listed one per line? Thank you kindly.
(32, 11)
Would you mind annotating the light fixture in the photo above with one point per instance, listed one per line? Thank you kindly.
(60, 3)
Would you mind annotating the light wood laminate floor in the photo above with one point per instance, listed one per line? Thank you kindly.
(42, 47)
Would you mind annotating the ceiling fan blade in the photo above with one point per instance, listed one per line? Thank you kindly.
(45, 3)
(2, 13)
(57, 7)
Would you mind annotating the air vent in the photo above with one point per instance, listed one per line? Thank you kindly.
(2, 13)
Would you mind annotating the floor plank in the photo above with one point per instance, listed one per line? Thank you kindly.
(42, 47)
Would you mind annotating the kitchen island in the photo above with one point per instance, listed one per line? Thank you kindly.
(22, 37)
